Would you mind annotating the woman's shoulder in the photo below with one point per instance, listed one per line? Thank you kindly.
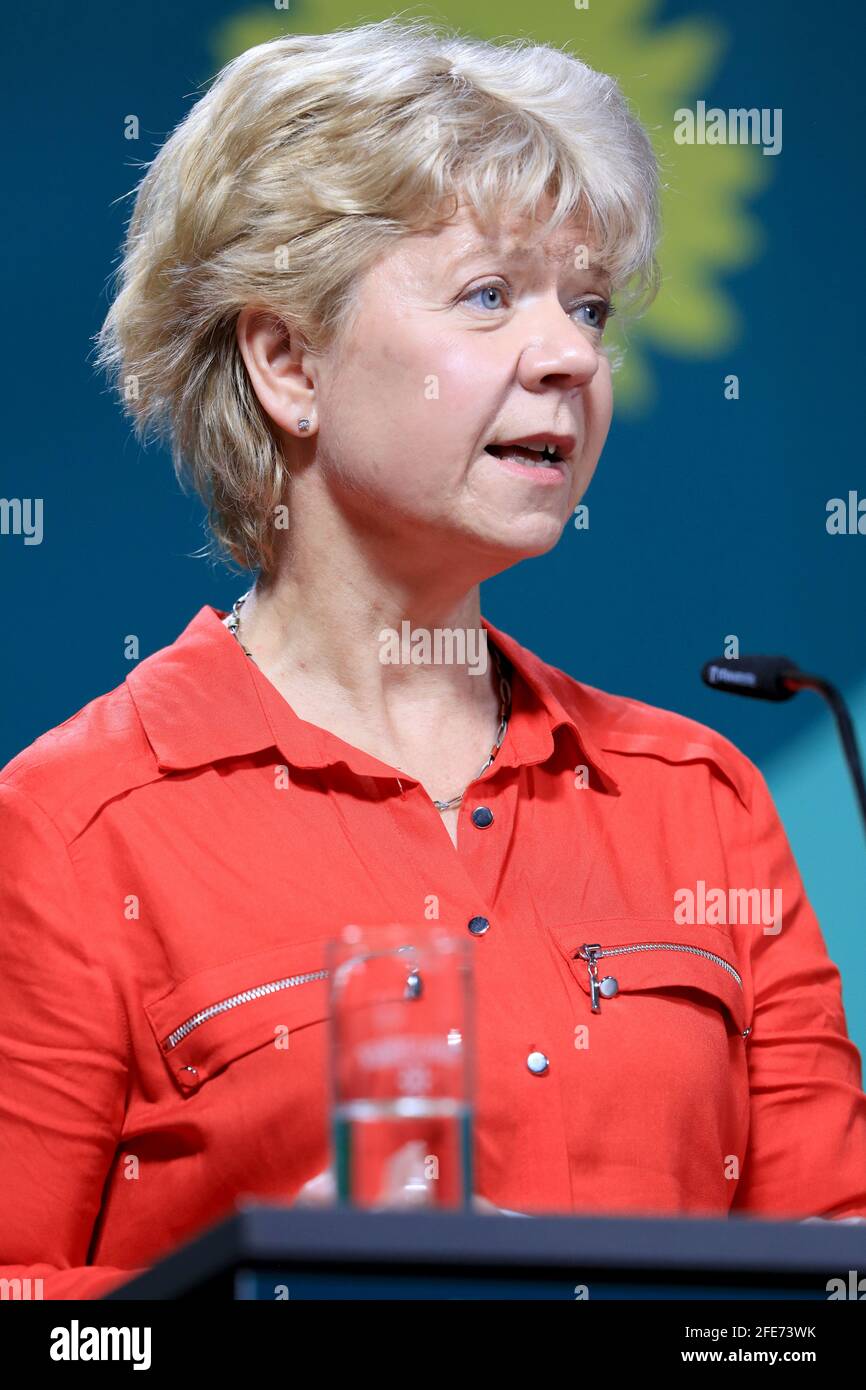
(104, 749)
(623, 724)
(75, 767)
(630, 726)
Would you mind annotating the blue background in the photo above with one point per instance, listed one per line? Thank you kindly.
(707, 516)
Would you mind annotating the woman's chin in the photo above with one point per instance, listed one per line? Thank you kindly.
(526, 536)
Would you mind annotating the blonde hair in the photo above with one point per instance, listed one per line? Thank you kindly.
(289, 177)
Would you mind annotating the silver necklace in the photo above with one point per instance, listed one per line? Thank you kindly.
(233, 623)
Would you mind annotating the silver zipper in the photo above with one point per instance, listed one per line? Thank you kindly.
(592, 954)
(232, 1002)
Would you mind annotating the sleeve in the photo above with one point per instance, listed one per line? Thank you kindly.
(63, 1044)
(806, 1155)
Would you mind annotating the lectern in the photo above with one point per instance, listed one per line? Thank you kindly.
(268, 1252)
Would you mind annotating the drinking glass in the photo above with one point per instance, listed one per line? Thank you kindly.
(400, 1065)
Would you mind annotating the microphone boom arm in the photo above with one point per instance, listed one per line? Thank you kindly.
(799, 680)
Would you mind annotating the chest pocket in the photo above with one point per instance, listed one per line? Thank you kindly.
(615, 960)
(219, 1014)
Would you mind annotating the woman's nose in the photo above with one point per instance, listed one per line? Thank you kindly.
(559, 353)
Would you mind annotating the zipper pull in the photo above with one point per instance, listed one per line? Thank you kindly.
(588, 953)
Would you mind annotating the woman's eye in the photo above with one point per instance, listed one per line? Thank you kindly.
(485, 289)
(602, 308)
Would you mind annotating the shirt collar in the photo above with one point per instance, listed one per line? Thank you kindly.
(202, 699)
(544, 700)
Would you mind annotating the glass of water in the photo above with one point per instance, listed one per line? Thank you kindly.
(400, 1066)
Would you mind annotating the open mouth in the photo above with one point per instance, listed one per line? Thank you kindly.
(546, 457)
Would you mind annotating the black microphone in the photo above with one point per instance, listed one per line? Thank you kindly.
(762, 677)
(777, 678)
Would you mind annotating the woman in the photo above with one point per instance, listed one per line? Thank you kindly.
(364, 295)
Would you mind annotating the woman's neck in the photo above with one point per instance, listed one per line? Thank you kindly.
(410, 681)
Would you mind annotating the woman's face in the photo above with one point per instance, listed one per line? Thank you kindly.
(457, 343)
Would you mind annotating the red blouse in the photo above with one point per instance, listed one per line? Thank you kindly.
(186, 837)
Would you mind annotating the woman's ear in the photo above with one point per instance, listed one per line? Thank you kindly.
(273, 357)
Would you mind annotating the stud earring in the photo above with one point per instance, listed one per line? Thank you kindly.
(304, 424)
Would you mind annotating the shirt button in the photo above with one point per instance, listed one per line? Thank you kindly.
(478, 925)
(537, 1063)
(482, 816)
